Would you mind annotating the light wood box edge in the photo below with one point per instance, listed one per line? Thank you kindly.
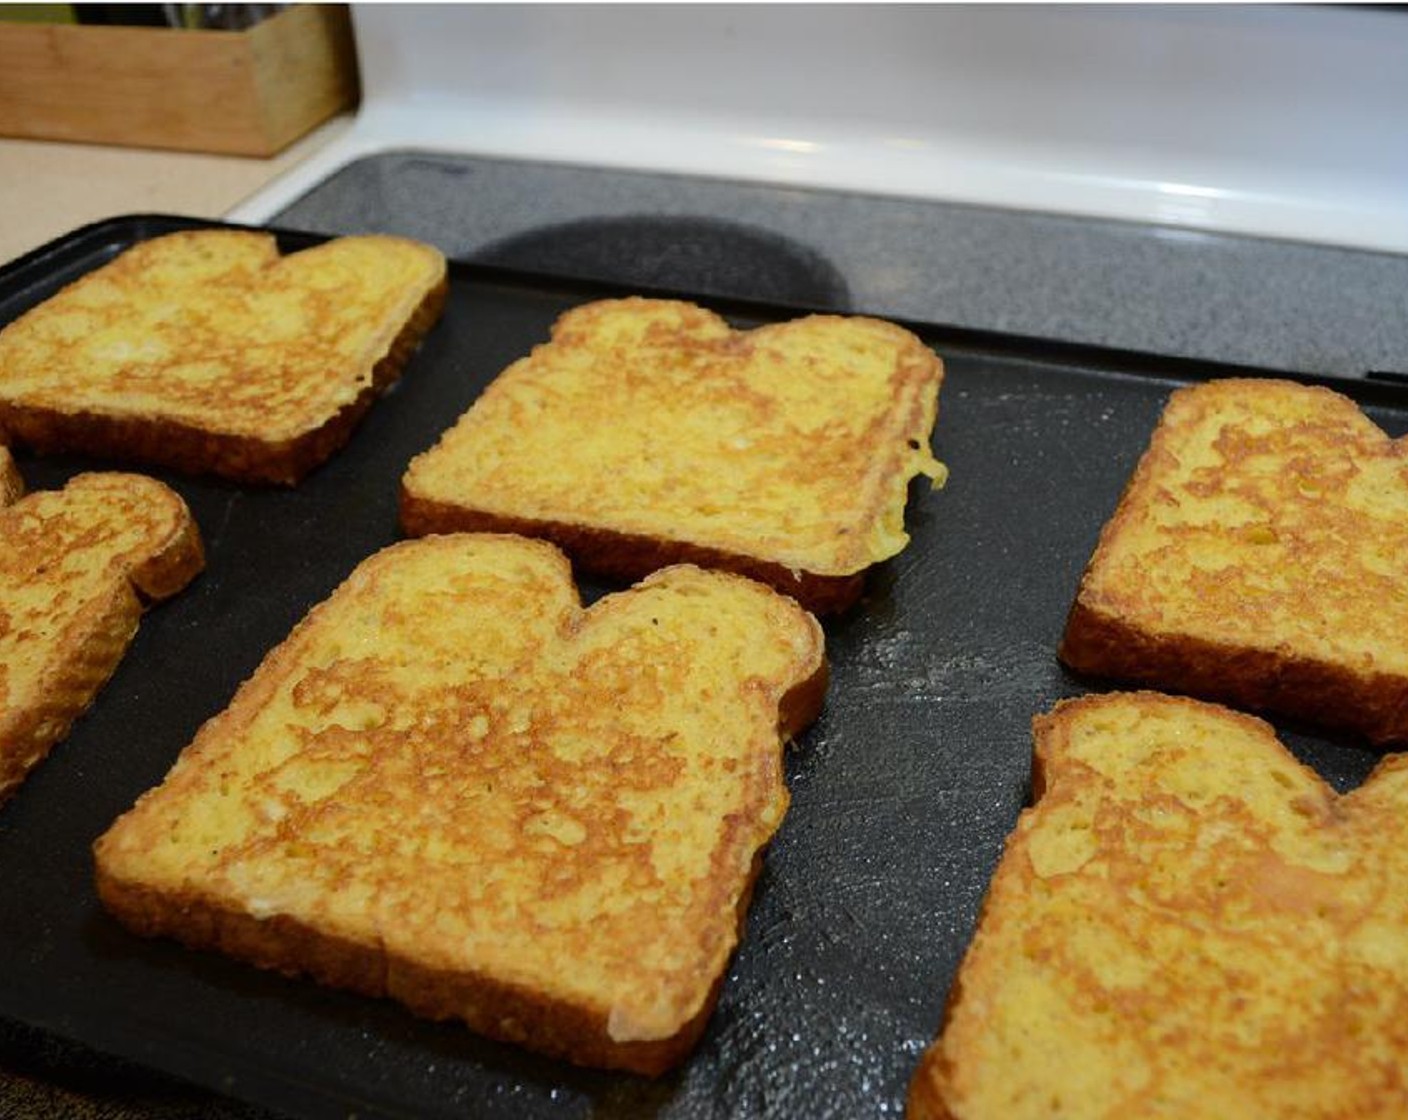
(247, 92)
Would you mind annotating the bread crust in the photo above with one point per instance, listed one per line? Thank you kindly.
(502, 1011)
(11, 482)
(1259, 484)
(1274, 680)
(85, 640)
(198, 448)
(628, 556)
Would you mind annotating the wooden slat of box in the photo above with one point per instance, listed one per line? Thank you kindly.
(238, 92)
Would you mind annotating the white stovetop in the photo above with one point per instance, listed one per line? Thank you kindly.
(1273, 121)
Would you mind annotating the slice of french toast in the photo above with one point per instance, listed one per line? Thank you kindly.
(647, 432)
(454, 786)
(77, 568)
(207, 351)
(1187, 922)
(1259, 555)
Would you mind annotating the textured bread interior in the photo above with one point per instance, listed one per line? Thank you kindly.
(1258, 556)
(212, 334)
(652, 422)
(1188, 922)
(76, 568)
(454, 786)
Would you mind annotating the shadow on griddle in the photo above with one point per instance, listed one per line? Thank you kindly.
(698, 255)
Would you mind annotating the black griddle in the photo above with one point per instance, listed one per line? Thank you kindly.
(902, 793)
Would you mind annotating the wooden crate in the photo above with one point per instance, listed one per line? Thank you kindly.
(248, 92)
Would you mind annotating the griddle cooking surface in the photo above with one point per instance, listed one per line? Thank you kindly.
(902, 793)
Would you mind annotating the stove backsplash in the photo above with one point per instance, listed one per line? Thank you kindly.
(1265, 119)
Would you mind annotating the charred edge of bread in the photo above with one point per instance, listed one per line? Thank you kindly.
(630, 557)
(801, 706)
(1374, 704)
(194, 450)
(925, 1100)
(493, 1008)
(11, 483)
(170, 568)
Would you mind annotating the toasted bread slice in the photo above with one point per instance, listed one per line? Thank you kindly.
(77, 567)
(208, 352)
(1259, 556)
(648, 432)
(11, 483)
(453, 786)
(1188, 922)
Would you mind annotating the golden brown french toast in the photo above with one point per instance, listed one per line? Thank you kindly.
(77, 567)
(207, 351)
(1187, 923)
(1259, 555)
(453, 786)
(647, 432)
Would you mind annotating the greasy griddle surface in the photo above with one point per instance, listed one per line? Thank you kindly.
(902, 793)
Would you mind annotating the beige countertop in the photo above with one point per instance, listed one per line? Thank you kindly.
(48, 188)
